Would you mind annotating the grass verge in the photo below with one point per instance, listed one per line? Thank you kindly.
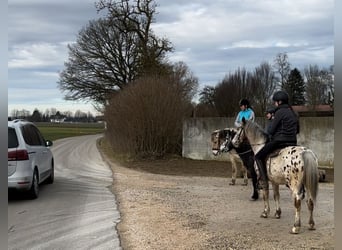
(55, 131)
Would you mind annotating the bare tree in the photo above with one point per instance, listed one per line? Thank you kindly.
(14, 113)
(230, 90)
(315, 87)
(111, 52)
(327, 76)
(184, 79)
(53, 111)
(283, 67)
(67, 114)
(20, 114)
(102, 61)
(207, 95)
(136, 17)
(263, 85)
(206, 105)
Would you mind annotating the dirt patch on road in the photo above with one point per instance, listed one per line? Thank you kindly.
(186, 204)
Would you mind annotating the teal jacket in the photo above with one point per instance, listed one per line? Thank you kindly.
(248, 114)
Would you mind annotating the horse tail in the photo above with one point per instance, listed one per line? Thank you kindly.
(311, 174)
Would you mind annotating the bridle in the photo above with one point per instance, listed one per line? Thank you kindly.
(238, 137)
(228, 141)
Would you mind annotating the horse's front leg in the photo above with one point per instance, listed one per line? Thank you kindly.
(254, 176)
(297, 224)
(266, 211)
(245, 175)
(276, 197)
(234, 169)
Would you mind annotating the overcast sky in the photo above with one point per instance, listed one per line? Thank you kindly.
(213, 38)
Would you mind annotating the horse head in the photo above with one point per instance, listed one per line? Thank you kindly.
(239, 135)
(221, 140)
(250, 131)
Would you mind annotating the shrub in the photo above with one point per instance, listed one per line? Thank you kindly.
(145, 119)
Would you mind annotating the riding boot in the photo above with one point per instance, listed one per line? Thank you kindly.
(263, 180)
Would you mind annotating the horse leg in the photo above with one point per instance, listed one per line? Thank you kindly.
(245, 176)
(311, 208)
(266, 211)
(297, 224)
(254, 176)
(276, 197)
(234, 169)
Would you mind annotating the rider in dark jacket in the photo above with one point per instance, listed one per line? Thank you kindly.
(285, 125)
(269, 116)
(283, 132)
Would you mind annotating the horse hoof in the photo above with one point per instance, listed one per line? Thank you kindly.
(232, 183)
(312, 227)
(254, 197)
(263, 215)
(295, 230)
(277, 214)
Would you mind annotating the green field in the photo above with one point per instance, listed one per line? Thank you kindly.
(54, 131)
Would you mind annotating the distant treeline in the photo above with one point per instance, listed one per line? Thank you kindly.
(52, 115)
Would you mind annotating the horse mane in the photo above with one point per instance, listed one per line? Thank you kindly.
(255, 130)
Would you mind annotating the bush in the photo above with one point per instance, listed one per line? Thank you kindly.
(145, 119)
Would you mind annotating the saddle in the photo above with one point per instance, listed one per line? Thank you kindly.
(280, 147)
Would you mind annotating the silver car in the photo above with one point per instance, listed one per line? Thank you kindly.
(30, 161)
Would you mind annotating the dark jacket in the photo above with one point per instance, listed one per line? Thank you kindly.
(268, 126)
(285, 125)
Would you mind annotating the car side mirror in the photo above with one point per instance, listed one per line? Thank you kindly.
(48, 143)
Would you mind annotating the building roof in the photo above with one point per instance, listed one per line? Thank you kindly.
(318, 110)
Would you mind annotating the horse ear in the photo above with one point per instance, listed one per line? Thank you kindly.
(243, 120)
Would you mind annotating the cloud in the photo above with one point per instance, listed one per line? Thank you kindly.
(213, 38)
(43, 99)
(220, 36)
(36, 55)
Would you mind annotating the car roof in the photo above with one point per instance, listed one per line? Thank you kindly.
(18, 123)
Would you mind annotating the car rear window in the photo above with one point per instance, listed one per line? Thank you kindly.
(12, 138)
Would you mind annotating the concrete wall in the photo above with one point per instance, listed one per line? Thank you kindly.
(316, 133)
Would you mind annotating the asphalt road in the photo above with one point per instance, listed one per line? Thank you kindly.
(78, 211)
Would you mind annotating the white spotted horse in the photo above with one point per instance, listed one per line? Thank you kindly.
(221, 142)
(293, 166)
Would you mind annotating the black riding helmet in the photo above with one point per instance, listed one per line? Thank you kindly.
(270, 110)
(281, 96)
(244, 102)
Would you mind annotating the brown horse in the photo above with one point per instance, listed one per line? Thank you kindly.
(221, 142)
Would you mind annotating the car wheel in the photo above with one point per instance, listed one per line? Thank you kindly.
(51, 178)
(34, 190)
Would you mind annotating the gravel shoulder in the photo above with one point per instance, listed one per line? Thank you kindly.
(186, 204)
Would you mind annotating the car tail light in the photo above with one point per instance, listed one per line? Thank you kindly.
(18, 155)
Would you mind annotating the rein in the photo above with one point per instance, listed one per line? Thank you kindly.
(257, 144)
(249, 150)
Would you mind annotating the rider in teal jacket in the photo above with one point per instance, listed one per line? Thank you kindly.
(245, 112)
